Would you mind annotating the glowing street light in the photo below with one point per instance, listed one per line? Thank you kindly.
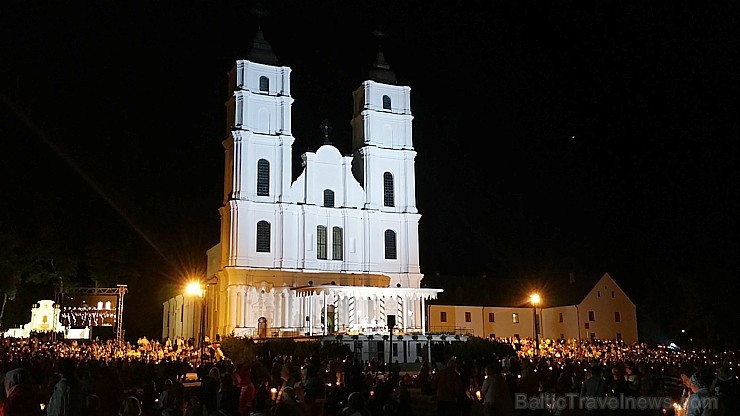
(195, 289)
(535, 299)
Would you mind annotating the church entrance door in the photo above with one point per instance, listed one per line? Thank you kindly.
(262, 327)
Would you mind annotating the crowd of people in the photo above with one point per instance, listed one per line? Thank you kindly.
(561, 376)
(151, 378)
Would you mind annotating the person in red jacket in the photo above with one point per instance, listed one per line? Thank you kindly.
(21, 400)
(243, 379)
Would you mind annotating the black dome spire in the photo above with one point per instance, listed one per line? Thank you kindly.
(381, 71)
(261, 51)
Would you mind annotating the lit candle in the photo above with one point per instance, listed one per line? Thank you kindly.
(273, 392)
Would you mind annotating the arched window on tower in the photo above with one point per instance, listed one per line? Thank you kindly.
(321, 242)
(386, 102)
(390, 244)
(337, 243)
(263, 177)
(388, 197)
(328, 198)
(264, 84)
(263, 237)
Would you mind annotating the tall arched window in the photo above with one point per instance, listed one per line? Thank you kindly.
(328, 198)
(386, 102)
(390, 244)
(263, 237)
(263, 177)
(388, 198)
(321, 242)
(264, 84)
(337, 243)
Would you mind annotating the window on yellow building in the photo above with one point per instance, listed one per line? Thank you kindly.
(591, 316)
(468, 317)
(491, 317)
(515, 318)
(617, 317)
(443, 316)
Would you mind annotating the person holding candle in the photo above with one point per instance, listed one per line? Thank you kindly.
(702, 402)
(495, 393)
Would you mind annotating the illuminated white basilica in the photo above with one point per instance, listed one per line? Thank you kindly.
(334, 251)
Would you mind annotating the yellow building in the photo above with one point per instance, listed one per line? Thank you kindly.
(603, 312)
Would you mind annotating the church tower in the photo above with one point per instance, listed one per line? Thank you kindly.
(384, 164)
(381, 128)
(258, 157)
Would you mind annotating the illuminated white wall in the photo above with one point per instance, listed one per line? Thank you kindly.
(44, 318)
(260, 129)
(181, 317)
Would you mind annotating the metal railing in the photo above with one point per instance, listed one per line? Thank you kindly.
(451, 330)
(289, 332)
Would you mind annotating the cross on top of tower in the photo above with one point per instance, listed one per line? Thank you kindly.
(261, 51)
(326, 129)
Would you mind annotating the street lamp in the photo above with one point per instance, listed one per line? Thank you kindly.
(196, 289)
(535, 299)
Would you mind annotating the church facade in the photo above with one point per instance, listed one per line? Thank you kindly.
(333, 251)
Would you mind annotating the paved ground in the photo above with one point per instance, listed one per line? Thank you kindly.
(425, 405)
(422, 404)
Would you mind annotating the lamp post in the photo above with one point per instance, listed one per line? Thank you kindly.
(195, 289)
(535, 299)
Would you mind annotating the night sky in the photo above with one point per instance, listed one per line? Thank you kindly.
(552, 137)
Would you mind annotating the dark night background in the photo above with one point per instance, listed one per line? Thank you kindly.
(552, 137)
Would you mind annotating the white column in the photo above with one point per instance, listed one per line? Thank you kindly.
(302, 312)
(310, 314)
(326, 316)
(344, 304)
(245, 291)
(279, 306)
(186, 318)
(288, 308)
(232, 307)
(404, 311)
(335, 303)
(351, 310)
(423, 317)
